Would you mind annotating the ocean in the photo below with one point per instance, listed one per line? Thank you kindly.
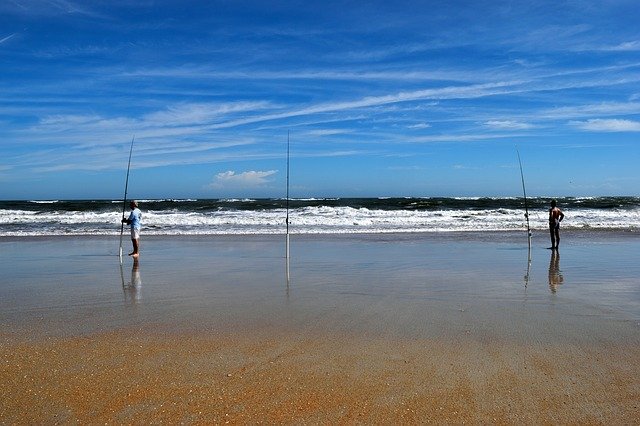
(315, 216)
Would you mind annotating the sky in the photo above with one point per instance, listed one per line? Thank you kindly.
(376, 98)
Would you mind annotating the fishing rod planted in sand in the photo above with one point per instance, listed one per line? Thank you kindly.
(526, 206)
(124, 200)
(287, 205)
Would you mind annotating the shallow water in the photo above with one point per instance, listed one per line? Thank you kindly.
(414, 286)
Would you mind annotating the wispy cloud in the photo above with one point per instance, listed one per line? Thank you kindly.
(243, 180)
(191, 126)
(466, 137)
(182, 120)
(507, 125)
(327, 132)
(608, 125)
(463, 167)
(555, 37)
(7, 38)
(191, 119)
(589, 110)
(213, 73)
(199, 113)
(40, 8)
(628, 46)
(450, 92)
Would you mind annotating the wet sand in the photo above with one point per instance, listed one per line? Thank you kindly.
(370, 329)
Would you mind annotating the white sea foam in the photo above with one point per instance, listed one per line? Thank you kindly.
(238, 200)
(305, 220)
(168, 200)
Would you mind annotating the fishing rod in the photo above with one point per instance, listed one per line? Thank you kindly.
(124, 200)
(526, 206)
(287, 205)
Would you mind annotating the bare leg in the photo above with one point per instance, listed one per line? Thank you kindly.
(136, 246)
(557, 233)
(553, 237)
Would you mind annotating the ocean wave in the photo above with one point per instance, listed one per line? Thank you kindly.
(238, 200)
(314, 216)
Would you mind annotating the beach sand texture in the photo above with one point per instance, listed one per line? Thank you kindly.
(371, 329)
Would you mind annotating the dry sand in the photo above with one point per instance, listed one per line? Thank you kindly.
(219, 338)
(144, 376)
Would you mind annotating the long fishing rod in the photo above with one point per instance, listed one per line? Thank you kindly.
(526, 206)
(287, 204)
(124, 200)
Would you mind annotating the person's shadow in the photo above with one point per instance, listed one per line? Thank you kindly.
(132, 289)
(555, 275)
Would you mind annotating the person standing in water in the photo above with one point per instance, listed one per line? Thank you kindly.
(134, 221)
(555, 217)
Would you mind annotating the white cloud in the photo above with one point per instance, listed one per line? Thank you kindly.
(9, 37)
(420, 126)
(198, 113)
(467, 137)
(463, 167)
(249, 179)
(39, 8)
(328, 132)
(308, 74)
(508, 125)
(608, 125)
(583, 111)
(628, 46)
(450, 92)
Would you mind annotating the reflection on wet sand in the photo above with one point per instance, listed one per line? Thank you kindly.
(528, 273)
(555, 275)
(133, 288)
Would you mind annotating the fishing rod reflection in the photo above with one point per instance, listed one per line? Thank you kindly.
(555, 275)
(527, 275)
(132, 288)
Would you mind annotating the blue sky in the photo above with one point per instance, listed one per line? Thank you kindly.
(381, 98)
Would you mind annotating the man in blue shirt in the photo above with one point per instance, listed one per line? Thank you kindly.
(134, 221)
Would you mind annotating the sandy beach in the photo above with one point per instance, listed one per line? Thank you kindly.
(411, 328)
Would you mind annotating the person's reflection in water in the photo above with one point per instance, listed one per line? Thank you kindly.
(555, 276)
(133, 289)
